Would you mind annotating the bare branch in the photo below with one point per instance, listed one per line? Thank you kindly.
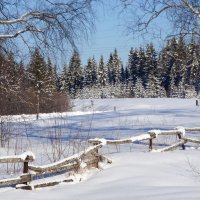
(192, 8)
(45, 23)
(183, 15)
(27, 29)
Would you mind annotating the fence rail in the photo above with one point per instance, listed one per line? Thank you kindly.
(77, 163)
(86, 159)
(153, 134)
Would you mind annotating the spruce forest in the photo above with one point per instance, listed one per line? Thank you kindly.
(172, 72)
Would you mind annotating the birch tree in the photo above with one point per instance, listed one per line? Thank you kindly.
(183, 15)
(49, 24)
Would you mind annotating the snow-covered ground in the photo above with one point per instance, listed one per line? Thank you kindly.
(135, 173)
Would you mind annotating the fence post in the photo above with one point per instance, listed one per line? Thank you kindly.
(183, 145)
(25, 168)
(150, 144)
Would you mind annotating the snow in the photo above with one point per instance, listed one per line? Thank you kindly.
(134, 173)
(181, 130)
(66, 160)
(23, 156)
(27, 153)
(155, 132)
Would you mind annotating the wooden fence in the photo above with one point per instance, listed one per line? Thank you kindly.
(24, 158)
(85, 159)
(77, 163)
(153, 134)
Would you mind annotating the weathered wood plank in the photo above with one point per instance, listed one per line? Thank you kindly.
(41, 185)
(193, 140)
(13, 181)
(155, 133)
(68, 167)
(123, 141)
(25, 157)
(74, 158)
(193, 129)
(171, 147)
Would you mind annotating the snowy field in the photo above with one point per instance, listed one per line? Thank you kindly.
(135, 173)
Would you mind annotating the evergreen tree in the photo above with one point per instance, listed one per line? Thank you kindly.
(142, 70)
(193, 66)
(166, 62)
(74, 79)
(38, 73)
(40, 79)
(117, 65)
(114, 67)
(63, 79)
(91, 73)
(139, 90)
(151, 62)
(180, 67)
(110, 70)
(126, 75)
(133, 65)
(102, 73)
(122, 75)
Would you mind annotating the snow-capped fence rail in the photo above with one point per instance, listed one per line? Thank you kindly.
(77, 158)
(76, 163)
(24, 158)
(83, 160)
(153, 134)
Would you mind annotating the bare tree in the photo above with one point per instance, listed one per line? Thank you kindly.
(45, 23)
(183, 15)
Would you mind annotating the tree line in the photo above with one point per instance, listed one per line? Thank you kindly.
(174, 71)
(30, 88)
(38, 86)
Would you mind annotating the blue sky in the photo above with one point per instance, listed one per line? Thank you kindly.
(108, 36)
(111, 33)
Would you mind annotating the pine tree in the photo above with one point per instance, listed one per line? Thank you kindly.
(133, 65)
(38, 73)
(110, 70)
(122, 75)
(63, 79)
(74, 79)
(180, 69)
(142, 70)
(114, 67)
(126, 75)
(193, 66)
(166, 62)
(40, 80)
(151, 62)
(139, 90)
(91, 73)
(117, 65)
(102, 73)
